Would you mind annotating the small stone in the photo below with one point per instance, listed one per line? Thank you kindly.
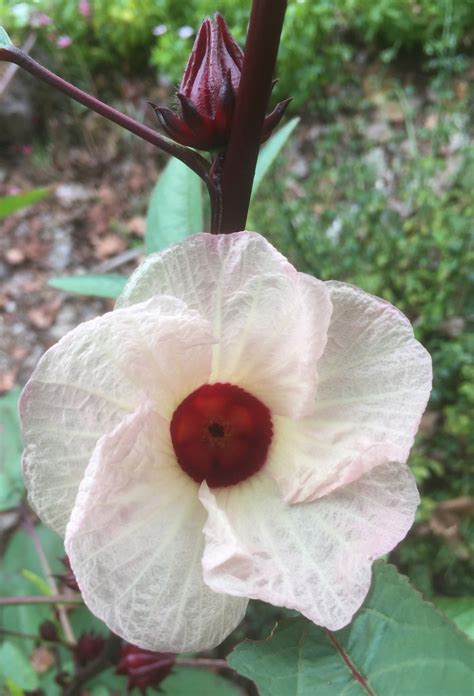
(14, 256)
(68, 194)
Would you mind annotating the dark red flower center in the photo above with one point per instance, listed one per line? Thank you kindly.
(221, 434)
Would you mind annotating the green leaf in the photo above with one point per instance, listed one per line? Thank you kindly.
(175, 208)
(460, 610)
(13, 689)
(95, 284)
(397, 642)
(40, 584)
(82, 621)
(20, 554)
(11, 482)
(99, 691)
(15, 665)
(106, 683)
(198, 682)
(10, 204)
(5, 40)
(270, 151)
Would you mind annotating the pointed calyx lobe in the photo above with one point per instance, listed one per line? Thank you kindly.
(208, 90)
(144, 668)
(221, 434)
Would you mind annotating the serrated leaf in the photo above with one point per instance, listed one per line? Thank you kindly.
(17, 201)
(11, 482)
(175, 207)
(270, 152)
(95, 284)
(5, 40)
(397, 644)
(15, 666)
(460, 610)
(198, 682)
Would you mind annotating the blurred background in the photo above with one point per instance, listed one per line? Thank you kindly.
(375, 187)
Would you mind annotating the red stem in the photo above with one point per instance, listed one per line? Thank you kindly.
(349, 664)
(193, 160)
(263, 38)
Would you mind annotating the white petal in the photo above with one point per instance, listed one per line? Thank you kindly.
(313, 557)
(135, 543)
(374, 383)
(270, 322)
(85, 385)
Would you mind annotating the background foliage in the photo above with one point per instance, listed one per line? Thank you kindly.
(374, 187)
(320, 39)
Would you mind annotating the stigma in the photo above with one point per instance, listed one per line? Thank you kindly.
(221, 434)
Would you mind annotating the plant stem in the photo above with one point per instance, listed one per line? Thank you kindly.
(31, 636)
(62, 613)
(109, 656)
(39, 599)
(192, 159)
(263, 38)
(203, 662)
(12, 68)
(360, 678)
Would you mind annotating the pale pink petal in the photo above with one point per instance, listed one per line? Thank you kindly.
(270, 322)
(135, 543)
(374, 383)
(85, 385)
(312, 557)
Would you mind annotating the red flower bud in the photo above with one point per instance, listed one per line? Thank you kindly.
(144, 668)
(48, 631)
(62, 678)
(88, 647)
(68, 578)
(208, 91)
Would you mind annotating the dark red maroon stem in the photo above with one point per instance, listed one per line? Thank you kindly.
(349, 664)
(196, 162)
(263, 39)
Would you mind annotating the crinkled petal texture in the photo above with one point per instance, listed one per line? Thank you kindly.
(313, 557)
(135, 543)
(270, 322)
(374, 384)
(97, 374)
(345, 382)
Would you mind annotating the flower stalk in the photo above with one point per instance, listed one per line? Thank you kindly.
(233, 121)
(193, 160)
(263, 39)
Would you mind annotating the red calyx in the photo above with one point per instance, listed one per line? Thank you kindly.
(221, 434)
(88, 647)
(68, 578)
(48, 631)
(144, 668)
(208, 91)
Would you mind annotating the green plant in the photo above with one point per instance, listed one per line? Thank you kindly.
(319, 42)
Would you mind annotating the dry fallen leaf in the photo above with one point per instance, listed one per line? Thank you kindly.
(136, 225)
(7, 381)
(446, 522)
(109, 245)
(41, 659)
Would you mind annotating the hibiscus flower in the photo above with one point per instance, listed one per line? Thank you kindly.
(234, 429)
